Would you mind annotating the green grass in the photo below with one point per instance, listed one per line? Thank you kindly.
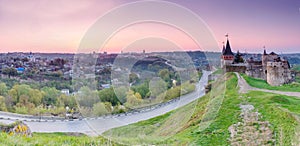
(183, 126)
(279, 110)
(218, 71)
(259, 83)
(52, 139)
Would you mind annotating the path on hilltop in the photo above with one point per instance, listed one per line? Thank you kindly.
(245, 87)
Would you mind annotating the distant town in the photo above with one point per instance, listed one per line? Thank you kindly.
(43, 67)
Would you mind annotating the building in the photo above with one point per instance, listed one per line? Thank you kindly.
(65, 91)
(230, 62)
(271, 68)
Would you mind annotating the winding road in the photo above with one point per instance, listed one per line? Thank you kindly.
(96, 126)
(245, 87)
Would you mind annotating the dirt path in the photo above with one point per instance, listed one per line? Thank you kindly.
(251, 130)
(245, 87)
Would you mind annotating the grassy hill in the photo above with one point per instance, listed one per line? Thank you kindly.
(207, 120)
(259, 83)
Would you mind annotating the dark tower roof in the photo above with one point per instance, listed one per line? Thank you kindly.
(228, 49)
(265, 52)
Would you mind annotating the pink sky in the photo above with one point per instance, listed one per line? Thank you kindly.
(58, 26)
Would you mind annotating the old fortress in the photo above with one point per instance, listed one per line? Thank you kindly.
(272, 68)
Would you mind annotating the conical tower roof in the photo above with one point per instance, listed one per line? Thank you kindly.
(228, 49)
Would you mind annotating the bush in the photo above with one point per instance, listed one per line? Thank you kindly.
(99, 109)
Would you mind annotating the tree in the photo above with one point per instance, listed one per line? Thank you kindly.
(87, 97)
(133, 77)
(10, 71)
(3, 89)
(18, 90)
(157, 87)
(238, 58)
(108, 95)
(35, 97)
(143, 89)
(164, 74)
(99, 109)
(24, 106)
(64, 100)
(133, 99)
(2, 104)
(50, 95)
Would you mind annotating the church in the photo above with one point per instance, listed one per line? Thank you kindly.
(271, 68)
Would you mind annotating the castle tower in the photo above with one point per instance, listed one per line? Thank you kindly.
(265, 59)
(227, 55)
(275, 73)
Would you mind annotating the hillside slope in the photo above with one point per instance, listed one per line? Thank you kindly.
(207, 120)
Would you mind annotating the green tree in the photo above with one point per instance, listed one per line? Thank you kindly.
(3, 89)
(133, 78)
(35, 97)
(108, 95)
(238, 58)
(2, 104)
(50, 95)
(18, 90)
(164, 74)
(143, 89)
(10, 71)
(87, 97)
(99, 109)
(157, 87)
(64, 100)
(133, 99)
(24, 106)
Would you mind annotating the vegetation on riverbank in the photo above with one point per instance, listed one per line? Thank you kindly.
(262, 84)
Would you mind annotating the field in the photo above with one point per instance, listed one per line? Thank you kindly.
(201, 127)
(53, 139)
(259, 83)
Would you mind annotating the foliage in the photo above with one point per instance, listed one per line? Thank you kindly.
(100, 109)
(87, 97)
(133, 99)
(10, 71)
(142, 89)
(3, 89)
(50, 95)
(133, 78)
(108, 95)
(2, 104)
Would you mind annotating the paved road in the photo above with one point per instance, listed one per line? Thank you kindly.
(96, 126)
(245, 87)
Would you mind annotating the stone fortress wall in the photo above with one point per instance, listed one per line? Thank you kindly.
(272, 68)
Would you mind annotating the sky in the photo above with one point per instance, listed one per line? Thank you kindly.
(59, 26)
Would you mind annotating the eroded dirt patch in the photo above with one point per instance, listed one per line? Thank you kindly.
(251, 130)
